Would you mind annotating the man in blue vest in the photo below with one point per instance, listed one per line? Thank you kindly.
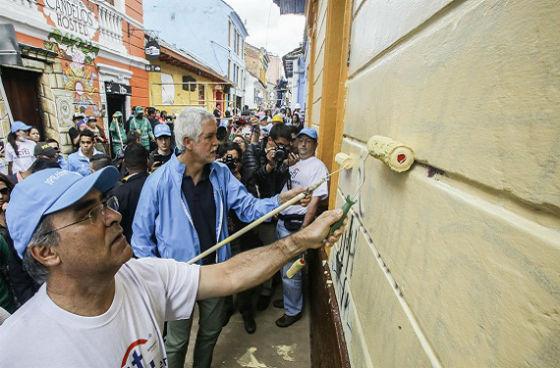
(183, 210)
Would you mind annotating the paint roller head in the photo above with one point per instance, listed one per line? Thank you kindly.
(398, 156)
(345, 161)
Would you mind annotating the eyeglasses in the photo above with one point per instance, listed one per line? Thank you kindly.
(94, 214)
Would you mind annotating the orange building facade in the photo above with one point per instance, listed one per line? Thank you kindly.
(77, 57)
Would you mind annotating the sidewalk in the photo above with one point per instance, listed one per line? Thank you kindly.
(269, 347)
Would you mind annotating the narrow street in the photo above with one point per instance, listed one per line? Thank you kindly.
(269, 347)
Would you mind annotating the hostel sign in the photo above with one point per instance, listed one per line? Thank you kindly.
(72, 16)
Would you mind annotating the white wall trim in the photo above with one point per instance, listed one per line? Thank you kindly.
(107, 70)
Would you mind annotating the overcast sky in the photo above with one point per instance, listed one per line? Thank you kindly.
(278, 34)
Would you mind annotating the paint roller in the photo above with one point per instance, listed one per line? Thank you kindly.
(397, 156)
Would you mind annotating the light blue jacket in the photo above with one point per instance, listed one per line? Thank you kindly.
(163, 213)
(79, 163)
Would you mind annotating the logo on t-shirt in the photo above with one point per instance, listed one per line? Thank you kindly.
(144, 353)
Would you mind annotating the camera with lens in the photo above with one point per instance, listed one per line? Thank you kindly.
(230, 161)
(281, 154)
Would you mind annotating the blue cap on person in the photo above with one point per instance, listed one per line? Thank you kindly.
(20, 125)
(162, 129)
(46, 192)
(310, 132)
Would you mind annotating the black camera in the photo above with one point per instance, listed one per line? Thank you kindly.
(231, 162)
(281, 153)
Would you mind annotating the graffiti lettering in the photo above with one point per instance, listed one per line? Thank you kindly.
(342, 263)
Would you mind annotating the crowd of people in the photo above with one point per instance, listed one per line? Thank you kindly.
(180, 185)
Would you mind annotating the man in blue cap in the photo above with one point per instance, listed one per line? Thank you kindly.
(163, 152)
(308, 170)
(98, 307)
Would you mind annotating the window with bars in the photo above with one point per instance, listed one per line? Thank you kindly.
(189, 83)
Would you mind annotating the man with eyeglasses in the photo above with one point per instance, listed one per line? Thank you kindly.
(98, 307)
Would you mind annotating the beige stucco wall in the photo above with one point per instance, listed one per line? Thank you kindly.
(457, 262)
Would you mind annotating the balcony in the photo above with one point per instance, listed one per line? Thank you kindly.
(110, 28)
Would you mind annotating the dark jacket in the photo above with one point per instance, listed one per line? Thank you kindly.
(255, 175)
(24, 287)
(128, 194)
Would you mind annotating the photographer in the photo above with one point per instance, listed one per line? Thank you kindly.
(267, 167)
(230, 154)
(265, 170)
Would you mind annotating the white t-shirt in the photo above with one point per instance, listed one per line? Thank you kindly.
(305, 173)
(25, 158)
(148, 292)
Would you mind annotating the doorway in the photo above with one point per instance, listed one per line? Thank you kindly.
(22, 90)
(115, 103)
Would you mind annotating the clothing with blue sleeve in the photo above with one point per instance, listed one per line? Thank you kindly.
(78, 162)
(163, 224)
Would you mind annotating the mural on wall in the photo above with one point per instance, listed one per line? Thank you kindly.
(79, 73)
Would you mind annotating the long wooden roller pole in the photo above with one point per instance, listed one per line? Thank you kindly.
(252, 225)
(262, 219)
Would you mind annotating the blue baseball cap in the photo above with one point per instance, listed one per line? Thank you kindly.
(20, 125)
(48, 191)
(310, 132)
(162, 129)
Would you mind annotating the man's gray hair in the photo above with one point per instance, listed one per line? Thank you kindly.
(42, 236)
(189, 124)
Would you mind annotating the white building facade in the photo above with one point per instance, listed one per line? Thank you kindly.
(212, 31)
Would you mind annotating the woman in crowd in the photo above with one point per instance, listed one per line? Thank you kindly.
(34, 135)
(19, 151)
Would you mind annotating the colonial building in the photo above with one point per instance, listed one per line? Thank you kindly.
(211, 31)
(79, 56)
(256, 60)
(179, 80)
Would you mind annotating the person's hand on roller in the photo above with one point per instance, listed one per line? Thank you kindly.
(255, 266)
(286, 196)
(316, 234)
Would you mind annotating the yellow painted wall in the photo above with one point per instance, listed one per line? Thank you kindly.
(183, 98)
(460, 268)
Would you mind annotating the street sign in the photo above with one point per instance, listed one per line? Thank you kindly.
(117, 88)
(152, 49)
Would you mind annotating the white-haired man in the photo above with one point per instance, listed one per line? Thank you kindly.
(183, 210)
(98, 307)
